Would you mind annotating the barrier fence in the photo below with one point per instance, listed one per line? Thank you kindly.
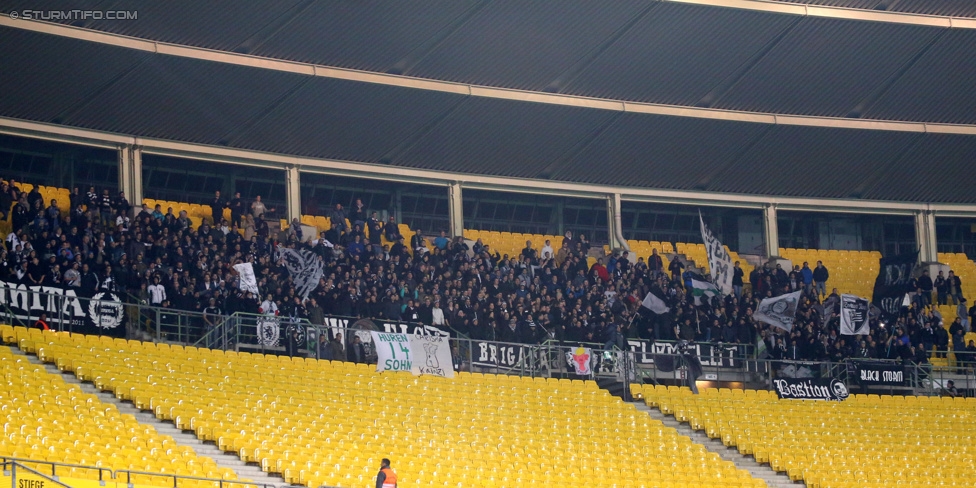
(32, 467)
(626, 360)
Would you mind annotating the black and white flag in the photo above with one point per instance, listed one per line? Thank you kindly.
(854, 315)
(654, 304)
(892, 283)
(305, 268)
(719, 261)
(269, 330)
(778, 311)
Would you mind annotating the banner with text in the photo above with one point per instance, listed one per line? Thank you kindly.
(723, 356)
(431, 355)
(393, 352)
(810, 388)
(878, 373)
(67, 308)
(495, 355)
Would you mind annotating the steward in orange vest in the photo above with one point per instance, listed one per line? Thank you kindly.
(386, 477)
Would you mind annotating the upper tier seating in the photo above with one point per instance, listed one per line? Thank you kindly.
(850, 271)
(864, 441)
(46, 419)
(321, 422)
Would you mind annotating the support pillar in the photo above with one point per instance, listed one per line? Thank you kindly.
(456, 208)
(771, 228)
(293, 193)
(614, 219)
(130, 173)
(925, 237)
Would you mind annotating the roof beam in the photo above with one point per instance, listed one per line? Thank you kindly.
(493, 92)
(240, 157)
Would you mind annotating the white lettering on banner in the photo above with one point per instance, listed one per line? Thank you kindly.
(709, 355)
(869, 375)
(491, 355)
(18, 296)
(719, 260)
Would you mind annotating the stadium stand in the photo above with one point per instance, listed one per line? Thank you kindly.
(864, 441)
(327, 423)
(46, 419)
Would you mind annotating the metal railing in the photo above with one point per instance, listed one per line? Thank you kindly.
(105, 474)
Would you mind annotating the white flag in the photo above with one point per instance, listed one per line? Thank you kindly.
(778, 311)
(654, 304)
(719, 261)
(247, 282)
(431, 355)
(854, 315)
(580, 358)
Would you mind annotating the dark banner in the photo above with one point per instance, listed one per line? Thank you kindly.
(876, 373)
(724, 356)
(493, 354)
(337, 323)
(810, 388)
(891, 284)
(67, 308)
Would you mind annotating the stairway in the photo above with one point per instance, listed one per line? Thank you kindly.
(184, 438)
(760, 471)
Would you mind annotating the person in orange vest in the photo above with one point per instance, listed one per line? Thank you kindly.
(386, 478)
(42, 322)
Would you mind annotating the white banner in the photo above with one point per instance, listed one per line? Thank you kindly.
(854, 315)
(580, 358)
(247, 282)
(392, 352)
(719, 261)
(778, 311)
(431, 355)
(305, 268)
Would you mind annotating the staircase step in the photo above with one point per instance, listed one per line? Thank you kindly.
(183, 438)
(758, 470)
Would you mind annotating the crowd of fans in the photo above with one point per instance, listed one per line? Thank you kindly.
(160, 259)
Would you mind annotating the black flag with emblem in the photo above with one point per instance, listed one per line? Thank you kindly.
(892, 283)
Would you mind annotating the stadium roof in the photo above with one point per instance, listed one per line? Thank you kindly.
(758, 56)
(125, 91)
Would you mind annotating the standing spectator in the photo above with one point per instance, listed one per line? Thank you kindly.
(105, 208)
(217, 206)
(258, 208)
(737, 275)
(359, 213)
(91, 198)
(806, 274)
(419, 243)
(675, 268)
(374, 228)
(338, 218)
(236, 206)
(955, 287)
(941, 289)
(357, 352)
(157, 293)
(75, 200)
(6, 200)
(547, 252)
(962, 314)
(338, 350)
(820, 277)
(925, 288)
(442, 241)
(121, 204)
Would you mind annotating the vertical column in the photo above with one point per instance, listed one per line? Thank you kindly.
(771, 228)
(925, 237)
(135, 193)
(130, 173)
(614, 230)
(293, 193)
(456, 208)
